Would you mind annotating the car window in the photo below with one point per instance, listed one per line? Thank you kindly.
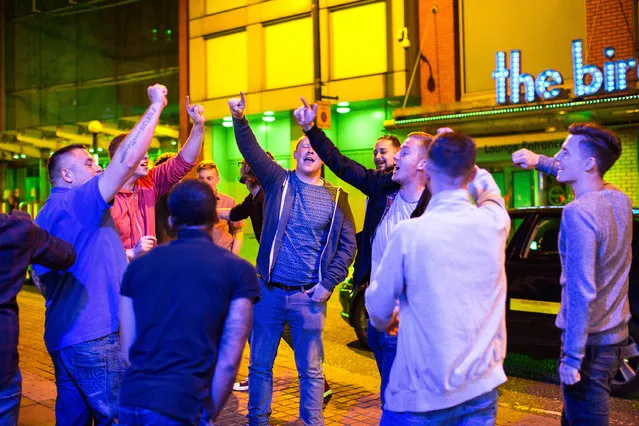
(514, 226)
(545, 239)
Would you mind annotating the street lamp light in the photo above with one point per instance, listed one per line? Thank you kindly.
(95, 127)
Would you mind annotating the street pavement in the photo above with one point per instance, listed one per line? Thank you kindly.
(350, 370)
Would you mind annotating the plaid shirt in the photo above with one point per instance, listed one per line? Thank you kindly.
(22, 242)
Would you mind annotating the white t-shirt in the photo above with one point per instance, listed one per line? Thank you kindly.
(400, 210)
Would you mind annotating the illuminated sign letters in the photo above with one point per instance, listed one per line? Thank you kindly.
(547, 85)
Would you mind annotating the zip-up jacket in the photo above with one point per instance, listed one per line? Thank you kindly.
(378, 186)
(279, 194)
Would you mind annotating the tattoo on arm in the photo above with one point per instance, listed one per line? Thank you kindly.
(144, 123)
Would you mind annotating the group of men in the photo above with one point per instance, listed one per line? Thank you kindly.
(157, 338)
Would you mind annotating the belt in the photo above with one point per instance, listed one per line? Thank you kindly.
(290, 287)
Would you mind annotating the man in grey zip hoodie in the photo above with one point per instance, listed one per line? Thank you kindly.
(307, 245)
(595, 248)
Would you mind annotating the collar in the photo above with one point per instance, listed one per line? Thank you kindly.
(194, 234)
(448, 198)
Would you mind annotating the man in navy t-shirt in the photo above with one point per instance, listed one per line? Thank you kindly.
(81, 322)
(185, 314)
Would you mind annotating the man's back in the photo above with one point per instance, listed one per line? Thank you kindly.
(181, 294)
(600, 222)
(82, 302)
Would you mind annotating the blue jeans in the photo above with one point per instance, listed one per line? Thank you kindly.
(10, 394)
(479, 411)
(136, 416)
(588, 401)
(384, 347)
(306, 320)
(88, 377)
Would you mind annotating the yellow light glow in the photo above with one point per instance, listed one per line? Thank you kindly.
(226, 65)
(289, 53)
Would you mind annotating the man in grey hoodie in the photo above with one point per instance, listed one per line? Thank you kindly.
(307, 245)
(595, 248)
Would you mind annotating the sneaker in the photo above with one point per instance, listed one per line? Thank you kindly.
(328, 392)
(241, 386)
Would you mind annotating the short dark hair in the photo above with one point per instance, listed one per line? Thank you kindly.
(392, 138)
(163, 158)
(115, 144)
(192, 203)
(53, 163)
(453, 153)
(207, 165)
(600, 142)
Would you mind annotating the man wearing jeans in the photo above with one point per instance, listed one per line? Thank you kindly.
(21, 243)
(307, 245)
(447, 269)
(595, 248)
(81, 322)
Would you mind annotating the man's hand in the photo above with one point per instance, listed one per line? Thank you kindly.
(237, 105)
(157, 94)
(525, 159)
(305, 115)
(145, 244)
(568, 375)
(319, 294)
(393, 327)
(196, 112)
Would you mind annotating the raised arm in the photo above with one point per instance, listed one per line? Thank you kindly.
(133, 147)
(487, 195)
(528, 160)
(191, 149)
(350, 171)
(266, 170)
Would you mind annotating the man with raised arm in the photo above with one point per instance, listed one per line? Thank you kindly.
(133, 209)
(307, 245)
(394, 194)
(81, 322)
(447, 269)
(595, 249)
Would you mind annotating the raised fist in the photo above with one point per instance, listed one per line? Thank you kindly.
(525, 159)
(237, 105)
(157, 94)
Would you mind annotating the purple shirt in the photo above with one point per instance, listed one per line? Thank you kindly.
(82, 302)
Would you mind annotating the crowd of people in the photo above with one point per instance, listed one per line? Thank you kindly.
(149, 306)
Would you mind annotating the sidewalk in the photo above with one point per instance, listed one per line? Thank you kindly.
(354, 401)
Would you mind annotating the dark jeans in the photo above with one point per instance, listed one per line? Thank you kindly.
(479, 411)
(88, 377)
(384, 348)
(10, 394)
(136, 416)
(588, 401)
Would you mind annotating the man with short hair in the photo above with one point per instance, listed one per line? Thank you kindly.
(447, 269)
(307, 245)
(134, 207)
(394, 194)
(183, 338)
(595, 248)
(21, 243)
(384, 152)
(81, 322)
(228, 234)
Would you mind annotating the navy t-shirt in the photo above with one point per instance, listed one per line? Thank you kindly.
(181, 294)
(83, 301)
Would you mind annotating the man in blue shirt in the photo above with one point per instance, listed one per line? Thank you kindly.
(81, 322)
(186, 311)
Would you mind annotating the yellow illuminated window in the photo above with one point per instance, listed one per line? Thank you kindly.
(289, 53)
(358, 41)
(215, 6)
(226, 65)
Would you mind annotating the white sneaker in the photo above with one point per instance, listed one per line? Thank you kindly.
(241, 386)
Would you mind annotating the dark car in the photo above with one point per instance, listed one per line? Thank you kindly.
(533, 269)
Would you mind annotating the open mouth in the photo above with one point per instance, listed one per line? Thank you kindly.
(309, 159)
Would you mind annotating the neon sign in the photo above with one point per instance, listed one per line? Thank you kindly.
(546, 86)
